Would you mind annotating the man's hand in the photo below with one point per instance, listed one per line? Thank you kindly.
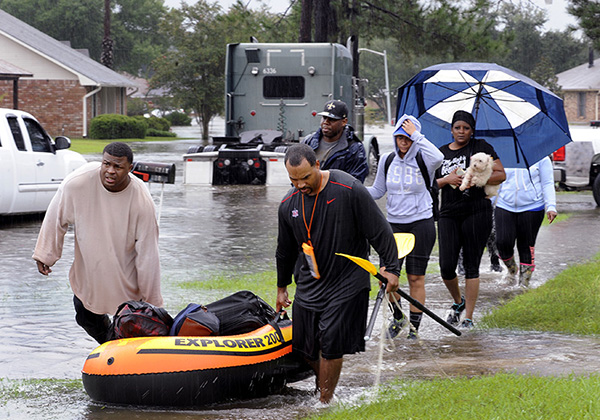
(43, 268)
(551, 216)
(283, 300)
(392, 280)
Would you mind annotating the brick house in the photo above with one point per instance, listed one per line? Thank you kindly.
(59, 85)
(581, 89)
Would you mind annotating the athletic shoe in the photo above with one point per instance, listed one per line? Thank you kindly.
(396, 325)
(496, 268)
(412, 335)
(467, 323)
(455, 311)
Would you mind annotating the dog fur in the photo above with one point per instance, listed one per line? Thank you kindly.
(478, 173)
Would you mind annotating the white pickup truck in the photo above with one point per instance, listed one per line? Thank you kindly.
(32, 165)
(577, 165)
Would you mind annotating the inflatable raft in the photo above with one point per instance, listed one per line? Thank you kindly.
(193, 371)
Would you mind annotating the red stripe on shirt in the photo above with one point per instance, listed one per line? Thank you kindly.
(290, 196)
(343, 185)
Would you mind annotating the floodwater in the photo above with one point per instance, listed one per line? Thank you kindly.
(206, 231)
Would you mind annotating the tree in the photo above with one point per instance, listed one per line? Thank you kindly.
(133, 26)
(107, 57)
(588, 16)
(192, 70)
(534, 53)
(524, 47)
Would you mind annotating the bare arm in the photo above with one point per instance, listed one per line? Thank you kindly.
(498, 175)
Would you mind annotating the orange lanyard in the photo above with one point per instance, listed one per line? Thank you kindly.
(309, 226)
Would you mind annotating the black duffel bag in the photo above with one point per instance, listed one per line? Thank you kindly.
(241, 313)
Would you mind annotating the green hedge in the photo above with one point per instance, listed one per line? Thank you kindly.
(156, 123)
(158, 133)
(179, 119)
(116, 126)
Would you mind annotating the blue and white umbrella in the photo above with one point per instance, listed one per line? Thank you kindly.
(521, 119)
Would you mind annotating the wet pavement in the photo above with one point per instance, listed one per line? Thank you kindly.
(206, 231)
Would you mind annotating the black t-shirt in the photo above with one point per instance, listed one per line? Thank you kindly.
(346, 220)
(454, 201)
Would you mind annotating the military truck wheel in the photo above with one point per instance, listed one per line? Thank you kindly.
(596, 190)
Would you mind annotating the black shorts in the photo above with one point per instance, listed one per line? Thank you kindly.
(335, 331)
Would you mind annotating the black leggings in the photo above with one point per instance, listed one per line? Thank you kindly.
(424, 231)
(469, 233)
(521, 227)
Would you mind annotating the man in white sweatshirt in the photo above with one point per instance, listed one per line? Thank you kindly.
(116, 239)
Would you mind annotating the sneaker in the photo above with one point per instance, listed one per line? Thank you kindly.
(396, 325)
(467, 323)
(412, 335)
(496, 268)
(455, 312)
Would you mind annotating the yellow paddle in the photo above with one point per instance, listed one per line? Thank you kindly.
(405, 244)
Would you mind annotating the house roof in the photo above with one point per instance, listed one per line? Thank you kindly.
(90, 72)
(143, 90)
(582, 77)
(8, 70)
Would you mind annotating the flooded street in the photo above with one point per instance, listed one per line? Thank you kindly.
(207, 231)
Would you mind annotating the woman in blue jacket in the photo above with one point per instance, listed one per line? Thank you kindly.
(522, 201)
(409, 207)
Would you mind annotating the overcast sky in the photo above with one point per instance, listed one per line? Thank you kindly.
(558, 18)
(276, 6)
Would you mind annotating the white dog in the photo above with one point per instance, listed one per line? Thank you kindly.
(478, 173)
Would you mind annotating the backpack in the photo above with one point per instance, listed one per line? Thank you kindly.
(432, 187)
(241, 312)
(140, 319)
(195, 320)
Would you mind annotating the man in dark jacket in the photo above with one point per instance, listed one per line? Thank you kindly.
(336, 145)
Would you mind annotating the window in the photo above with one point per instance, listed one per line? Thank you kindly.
(283, 87)
(40, 141)
(581, 104)
(13, 123)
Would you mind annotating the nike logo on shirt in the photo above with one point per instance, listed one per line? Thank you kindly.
(329, 201)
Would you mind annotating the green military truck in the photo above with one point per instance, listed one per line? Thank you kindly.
(273, 92)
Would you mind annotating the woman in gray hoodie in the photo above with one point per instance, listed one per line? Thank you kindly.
(409, 207)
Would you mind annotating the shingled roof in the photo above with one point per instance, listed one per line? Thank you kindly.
(7, 70)
(581, 78)
(90, 72)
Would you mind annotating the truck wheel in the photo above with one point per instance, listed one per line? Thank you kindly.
(596, 190)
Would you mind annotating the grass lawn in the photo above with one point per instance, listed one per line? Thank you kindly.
(569, 303)
(91, 146)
